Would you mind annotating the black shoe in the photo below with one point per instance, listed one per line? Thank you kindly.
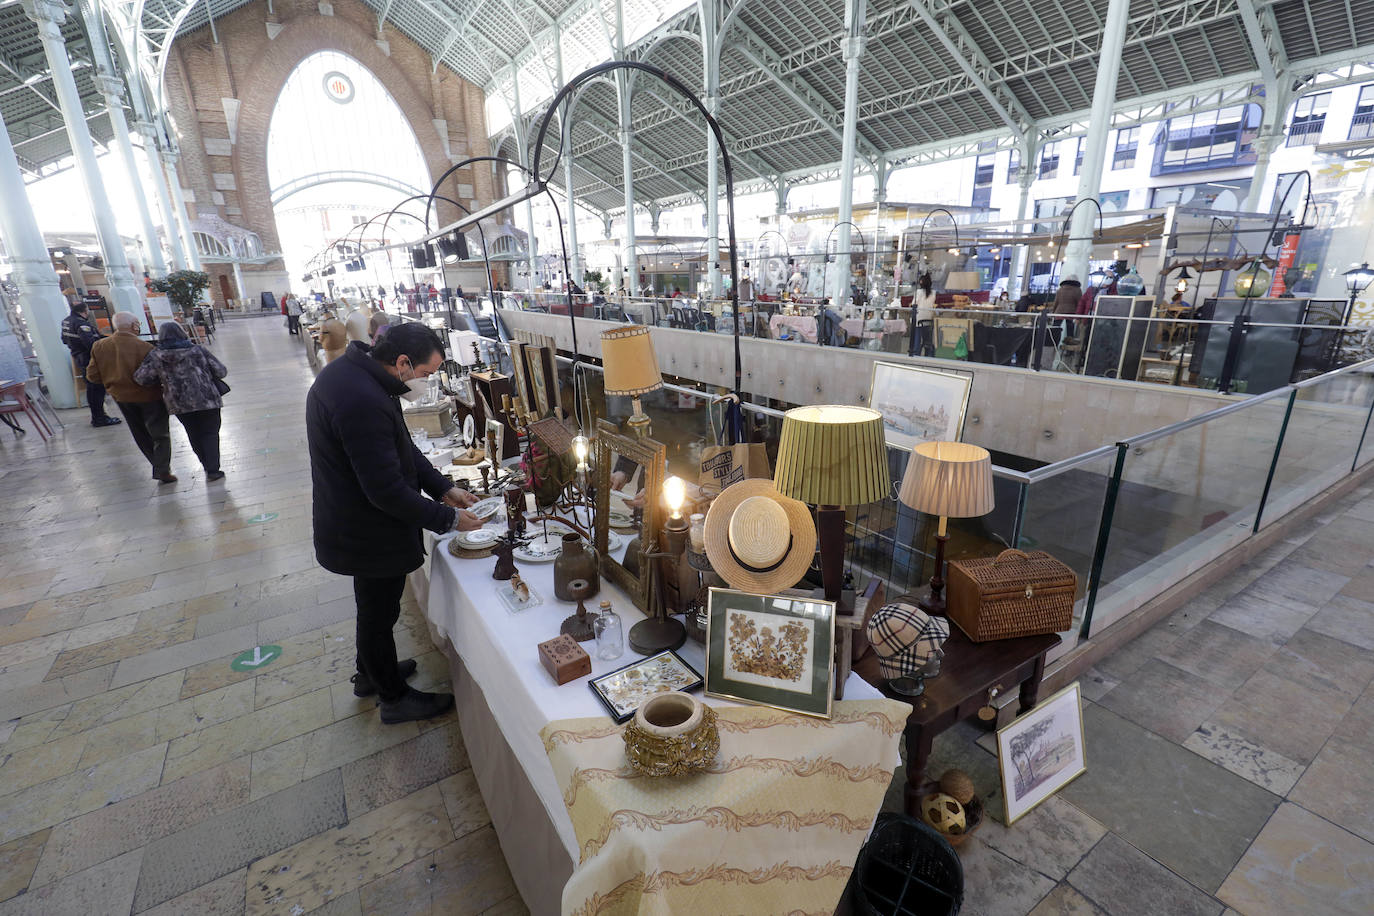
(416, 705)
(214, 475)
(106, 421)
(362, 684)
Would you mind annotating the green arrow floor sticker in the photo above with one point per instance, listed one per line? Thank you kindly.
(263, 517)
(255, 658)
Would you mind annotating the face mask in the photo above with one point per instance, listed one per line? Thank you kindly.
(418, 389)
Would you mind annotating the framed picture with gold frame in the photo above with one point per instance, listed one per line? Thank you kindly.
(771, 650)
(1041, 751)
(919, 405)
(642, 459)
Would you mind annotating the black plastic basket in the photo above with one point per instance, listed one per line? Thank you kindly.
(908, 869)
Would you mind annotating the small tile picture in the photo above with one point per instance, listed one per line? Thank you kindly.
(624, 690)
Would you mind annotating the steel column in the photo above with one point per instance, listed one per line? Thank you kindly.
(1029, 150)
(1079, 249)
(574, 257)
(112, 88)
(40, 294)
(160, 192)
(188, 240)
(855, 12)
(48, 16)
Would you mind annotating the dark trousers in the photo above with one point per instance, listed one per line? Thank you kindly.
(293, 324)
(202, 428)
(148, 423)
(95, 400)
(379, 607)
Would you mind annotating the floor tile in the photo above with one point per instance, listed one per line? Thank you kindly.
(1324, 664)
(1065, 901)
(263, 728)
(1282, 716)
(1051, 839)
(18, 859)
(1269, 621)
(1346, 619)
(1245, 758)
(121, 647)
(463, 800)
(1165, 699)
(104, 888)
(995, 884)
(1302, 864)
(1339, 786)
(221, 897)
(136, 821)
(1189, 814)
(397, 771)
(189, 858)
(308, 873)
(76, 793)
(1220, 653)
(1123, 881)
(1293, 582)
(468, 875)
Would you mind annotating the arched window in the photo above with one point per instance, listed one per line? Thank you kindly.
(334, 122)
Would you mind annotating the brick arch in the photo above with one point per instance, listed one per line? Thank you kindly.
(267, 74)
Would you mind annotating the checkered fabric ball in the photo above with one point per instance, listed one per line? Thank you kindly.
(904, 637)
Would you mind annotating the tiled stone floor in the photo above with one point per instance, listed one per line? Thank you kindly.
(1228, 748)
(138, 771)
(1229, 755)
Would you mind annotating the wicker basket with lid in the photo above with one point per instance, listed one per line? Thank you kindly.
(1012, 594)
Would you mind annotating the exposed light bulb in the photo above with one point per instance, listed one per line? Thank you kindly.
(675, 494)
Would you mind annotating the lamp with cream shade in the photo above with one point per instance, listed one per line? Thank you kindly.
(631, 370)
(948, 480)
(832, 456)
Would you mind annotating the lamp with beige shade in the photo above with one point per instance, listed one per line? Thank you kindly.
(631, 370)
(948, 480)
(832, 456)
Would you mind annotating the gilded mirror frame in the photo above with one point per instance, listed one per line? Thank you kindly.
(650, 456)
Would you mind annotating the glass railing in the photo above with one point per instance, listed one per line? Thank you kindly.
(1232, 356)
(1131, 519)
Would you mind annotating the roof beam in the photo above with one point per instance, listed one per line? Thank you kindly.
(797, 89)
(951, 34)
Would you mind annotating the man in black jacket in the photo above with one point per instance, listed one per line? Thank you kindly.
(79, 334)
(368, 511)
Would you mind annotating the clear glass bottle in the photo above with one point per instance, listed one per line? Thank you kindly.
(610, 635)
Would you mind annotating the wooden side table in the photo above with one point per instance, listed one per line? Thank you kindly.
(969, 670)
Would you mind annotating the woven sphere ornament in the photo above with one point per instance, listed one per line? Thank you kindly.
(944, 813)
(958, 785)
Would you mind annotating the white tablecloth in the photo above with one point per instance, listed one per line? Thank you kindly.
(499, 650)
(799, 325)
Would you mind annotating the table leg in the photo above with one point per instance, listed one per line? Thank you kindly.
(918, 744)
(1030, 687)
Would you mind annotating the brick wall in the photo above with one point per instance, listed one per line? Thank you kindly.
(231, 179)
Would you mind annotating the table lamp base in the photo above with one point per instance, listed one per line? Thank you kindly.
(656, 634)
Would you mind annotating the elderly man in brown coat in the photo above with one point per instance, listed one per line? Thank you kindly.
(113, 363)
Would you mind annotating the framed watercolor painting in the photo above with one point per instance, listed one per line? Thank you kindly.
(624, 690)
(919, 405)
(771, 650)
(1041, 751)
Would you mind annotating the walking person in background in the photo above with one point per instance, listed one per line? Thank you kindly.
(189, 376)
(113, 363)
(293, 314)
(79, 334)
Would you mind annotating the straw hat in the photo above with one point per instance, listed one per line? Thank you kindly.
(757, 539)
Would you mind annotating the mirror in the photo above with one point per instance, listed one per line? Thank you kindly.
(629, 475)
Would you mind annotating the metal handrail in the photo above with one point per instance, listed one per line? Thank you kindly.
(1181, 425)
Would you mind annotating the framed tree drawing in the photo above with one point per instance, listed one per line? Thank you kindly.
(1041, 751)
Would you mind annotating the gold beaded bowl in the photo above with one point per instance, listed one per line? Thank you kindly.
(672, 734)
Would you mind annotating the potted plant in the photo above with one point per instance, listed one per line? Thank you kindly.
(591, 279)
(183, 288)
